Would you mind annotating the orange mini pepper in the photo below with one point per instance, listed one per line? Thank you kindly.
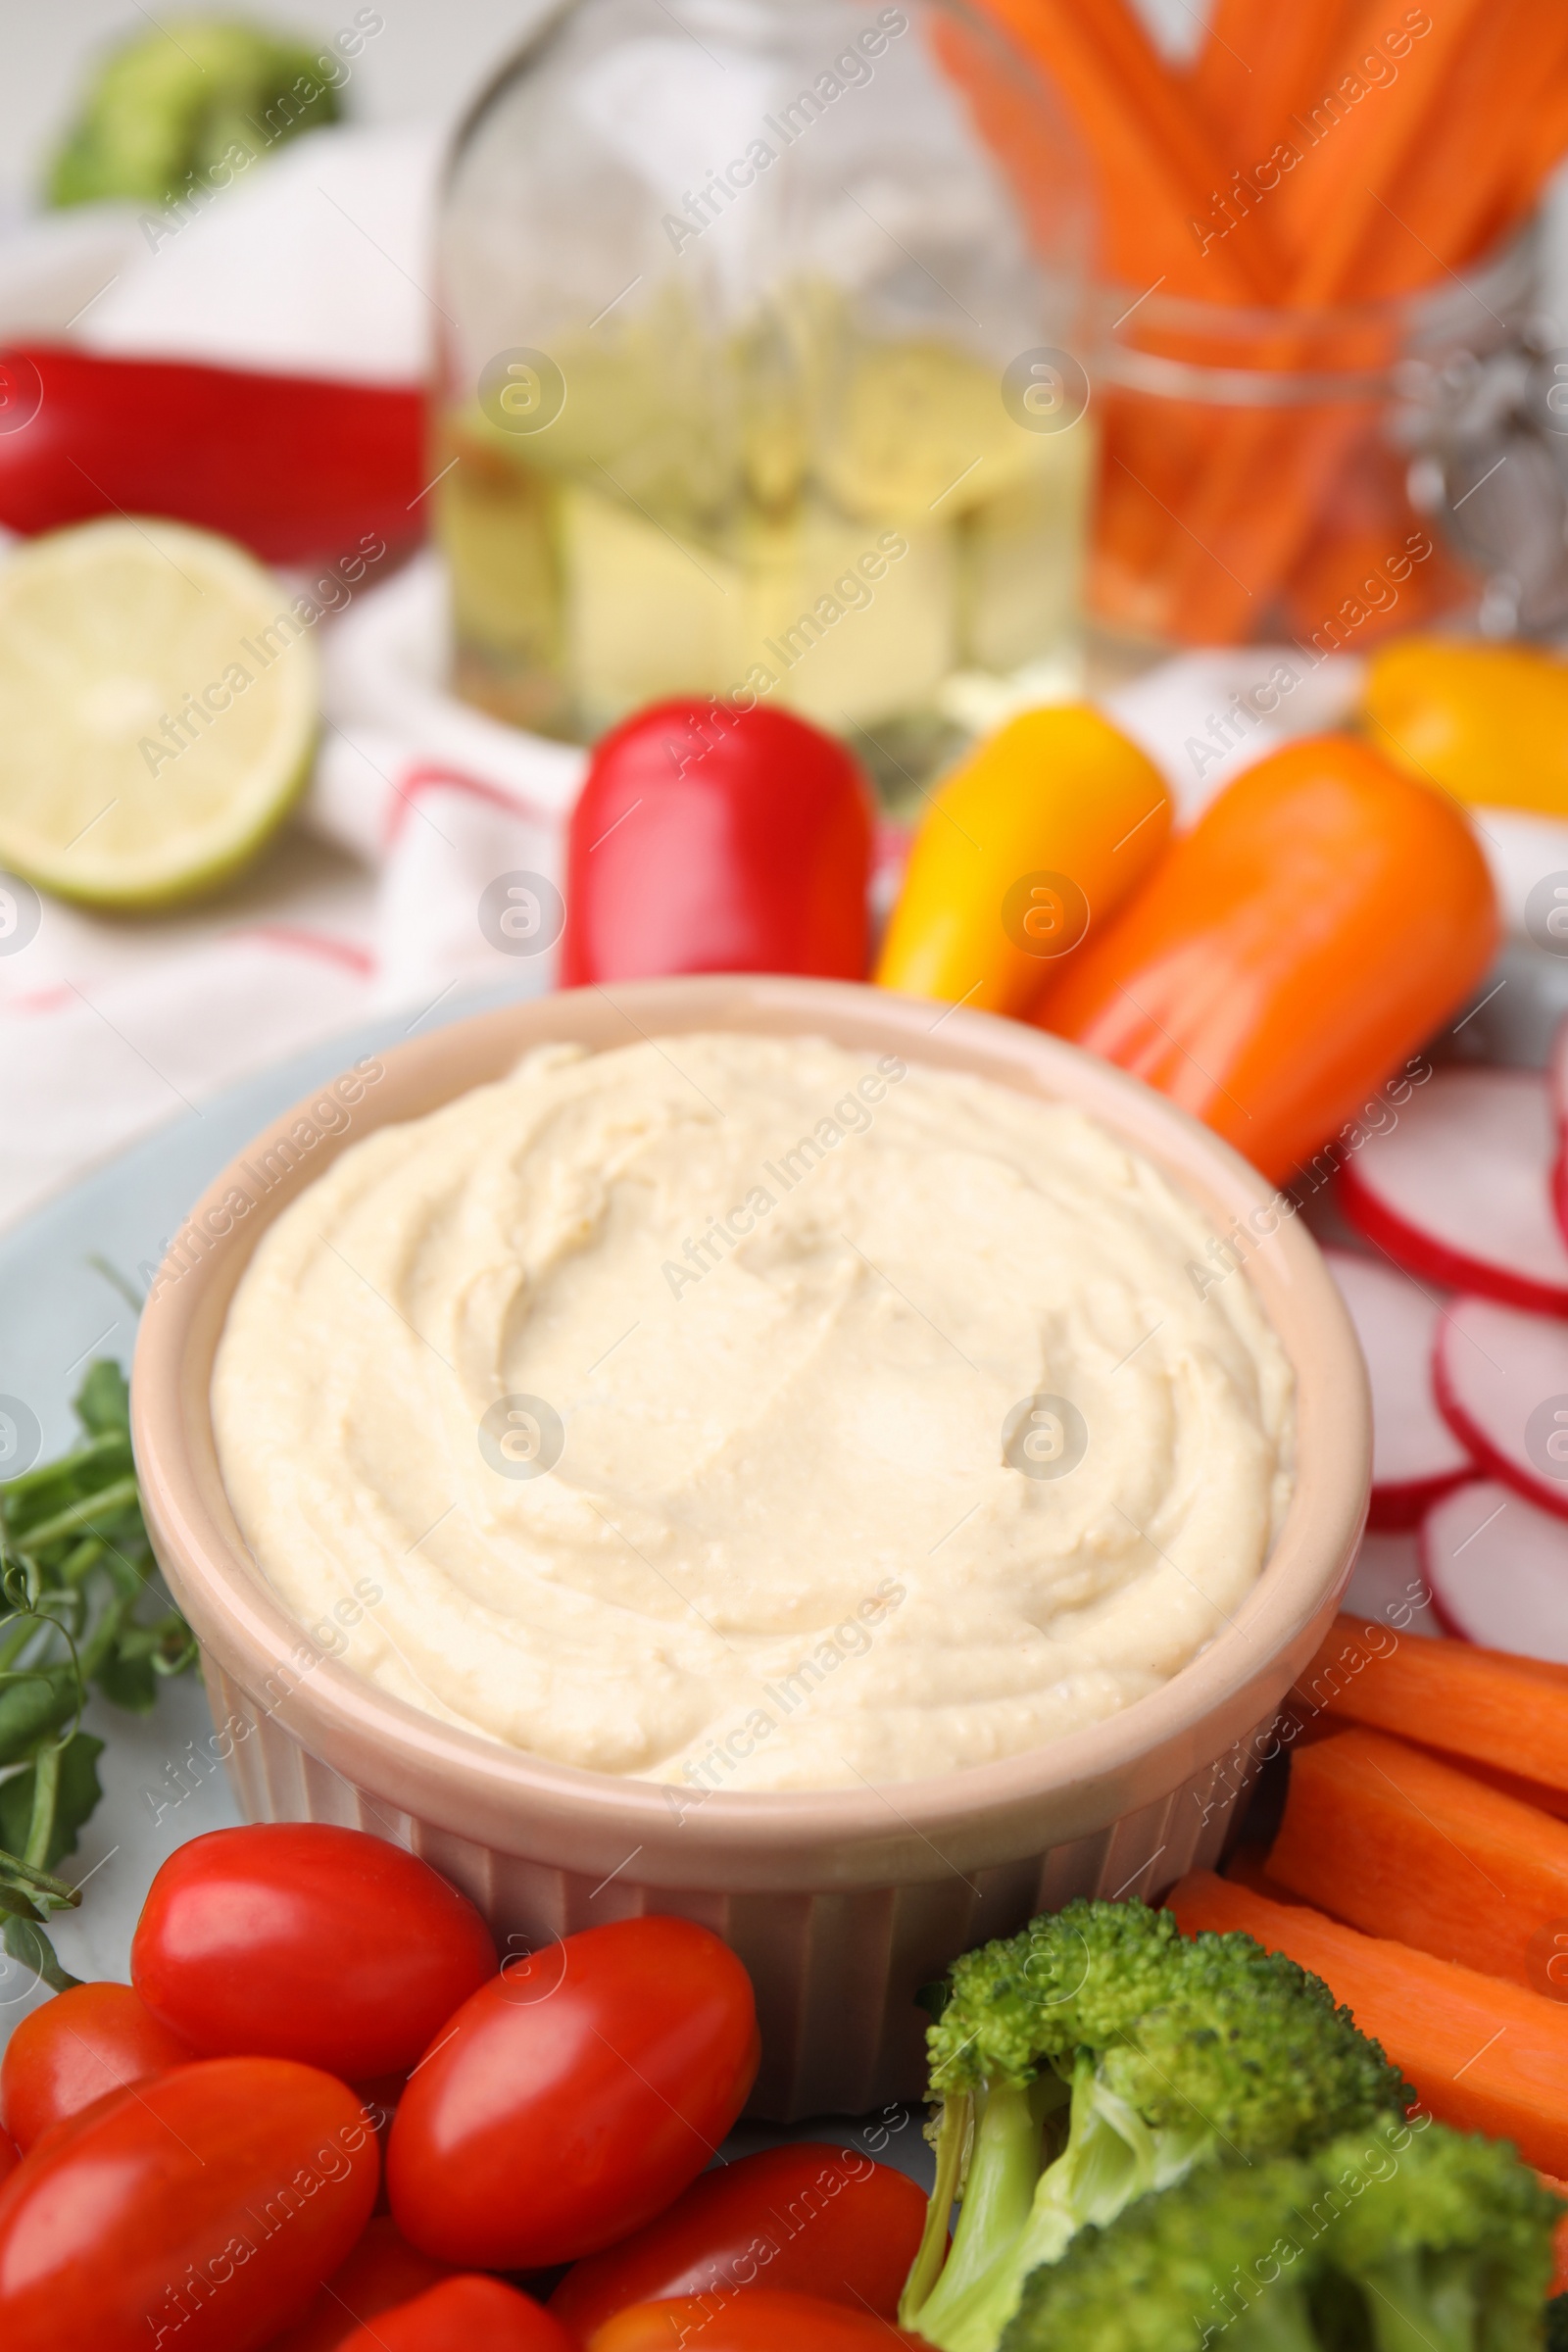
(1321, 919)
(1039, 836)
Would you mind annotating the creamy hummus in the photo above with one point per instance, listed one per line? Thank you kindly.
(745, 1413)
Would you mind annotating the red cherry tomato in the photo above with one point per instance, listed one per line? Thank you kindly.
(463, 2315)
(574, 2097)
(78, 2047)
(708, 839)
(758, 2321)
(811, 2219)
(199, 2210)
(291, 1940)
(382, 2272)
(10, 2156)
(379, 2099)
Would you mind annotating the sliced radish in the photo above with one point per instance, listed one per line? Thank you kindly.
(1502, 1383)
(1415, 1454)
(1387, 1584)
(1557, 1080)
(1460, 1190)
(1498, 1570)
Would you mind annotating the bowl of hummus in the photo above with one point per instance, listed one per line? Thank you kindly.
(850, 1471)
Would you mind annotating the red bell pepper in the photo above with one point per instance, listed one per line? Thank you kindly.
(710, 839)
(294, 466)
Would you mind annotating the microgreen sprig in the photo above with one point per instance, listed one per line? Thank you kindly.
(80, 1609)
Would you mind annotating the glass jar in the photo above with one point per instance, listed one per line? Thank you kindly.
(755, 372)
(1270, 474)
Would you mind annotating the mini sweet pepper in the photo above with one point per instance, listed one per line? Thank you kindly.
(1025, 849)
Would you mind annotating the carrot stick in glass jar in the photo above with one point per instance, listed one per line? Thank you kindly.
(1157, 165)
(1257, 65)
(1257, 507)
(1324, 916)
(1455, 195)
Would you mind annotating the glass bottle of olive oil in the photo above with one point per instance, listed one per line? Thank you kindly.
(760, 376)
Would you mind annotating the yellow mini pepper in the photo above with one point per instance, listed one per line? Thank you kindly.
(1487, 722)
(1039, 836)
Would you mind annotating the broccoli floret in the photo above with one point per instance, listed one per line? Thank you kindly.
(1156, 2052)
(1452, 2248)
(172, 108)
(1387, 2240)
(1223, 2254)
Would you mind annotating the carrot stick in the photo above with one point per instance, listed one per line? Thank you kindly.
(1512, 1784)
(1247, 1868)
(1258, 65)
(1328, 208)
(1484, 2056)
(1257, 508)
(1402, 1845)
(1157, 168)
(1483, 1704)
(1453, 197)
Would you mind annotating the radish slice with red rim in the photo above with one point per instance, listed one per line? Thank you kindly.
(1415, 1454)
(1557, 1080)
(1502, 1383)
(1458, 1191)
(1499, 1571)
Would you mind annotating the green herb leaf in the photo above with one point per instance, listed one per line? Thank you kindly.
(74, 1803)
(103, 1401)
(34, 1703)
(33, 1948)
(16, 1903)
(76, 1576)
(128, 1680)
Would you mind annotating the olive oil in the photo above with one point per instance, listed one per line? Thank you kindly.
(853, 529)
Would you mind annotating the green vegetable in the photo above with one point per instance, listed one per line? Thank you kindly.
(1100, 2055)
(1387, 2240)
(177, 110)
(75, 1579)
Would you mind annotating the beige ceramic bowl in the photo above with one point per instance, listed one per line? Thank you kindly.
(841, 1904)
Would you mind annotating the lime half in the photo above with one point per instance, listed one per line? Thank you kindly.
(159, 699)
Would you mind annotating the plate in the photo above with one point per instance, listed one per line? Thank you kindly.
(68, 1277)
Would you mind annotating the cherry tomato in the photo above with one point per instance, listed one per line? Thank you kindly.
(84, 2042)
(379, 2099)
(708, 839)
(574, 2097)
(291, 1940)
(201, 2208)
(814, 2218)
(10, 2155)
(382, 2272)
(463, 2315)
(758, 2321)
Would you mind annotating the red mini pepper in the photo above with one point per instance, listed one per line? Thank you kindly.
(294, 466)
(708, 839)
